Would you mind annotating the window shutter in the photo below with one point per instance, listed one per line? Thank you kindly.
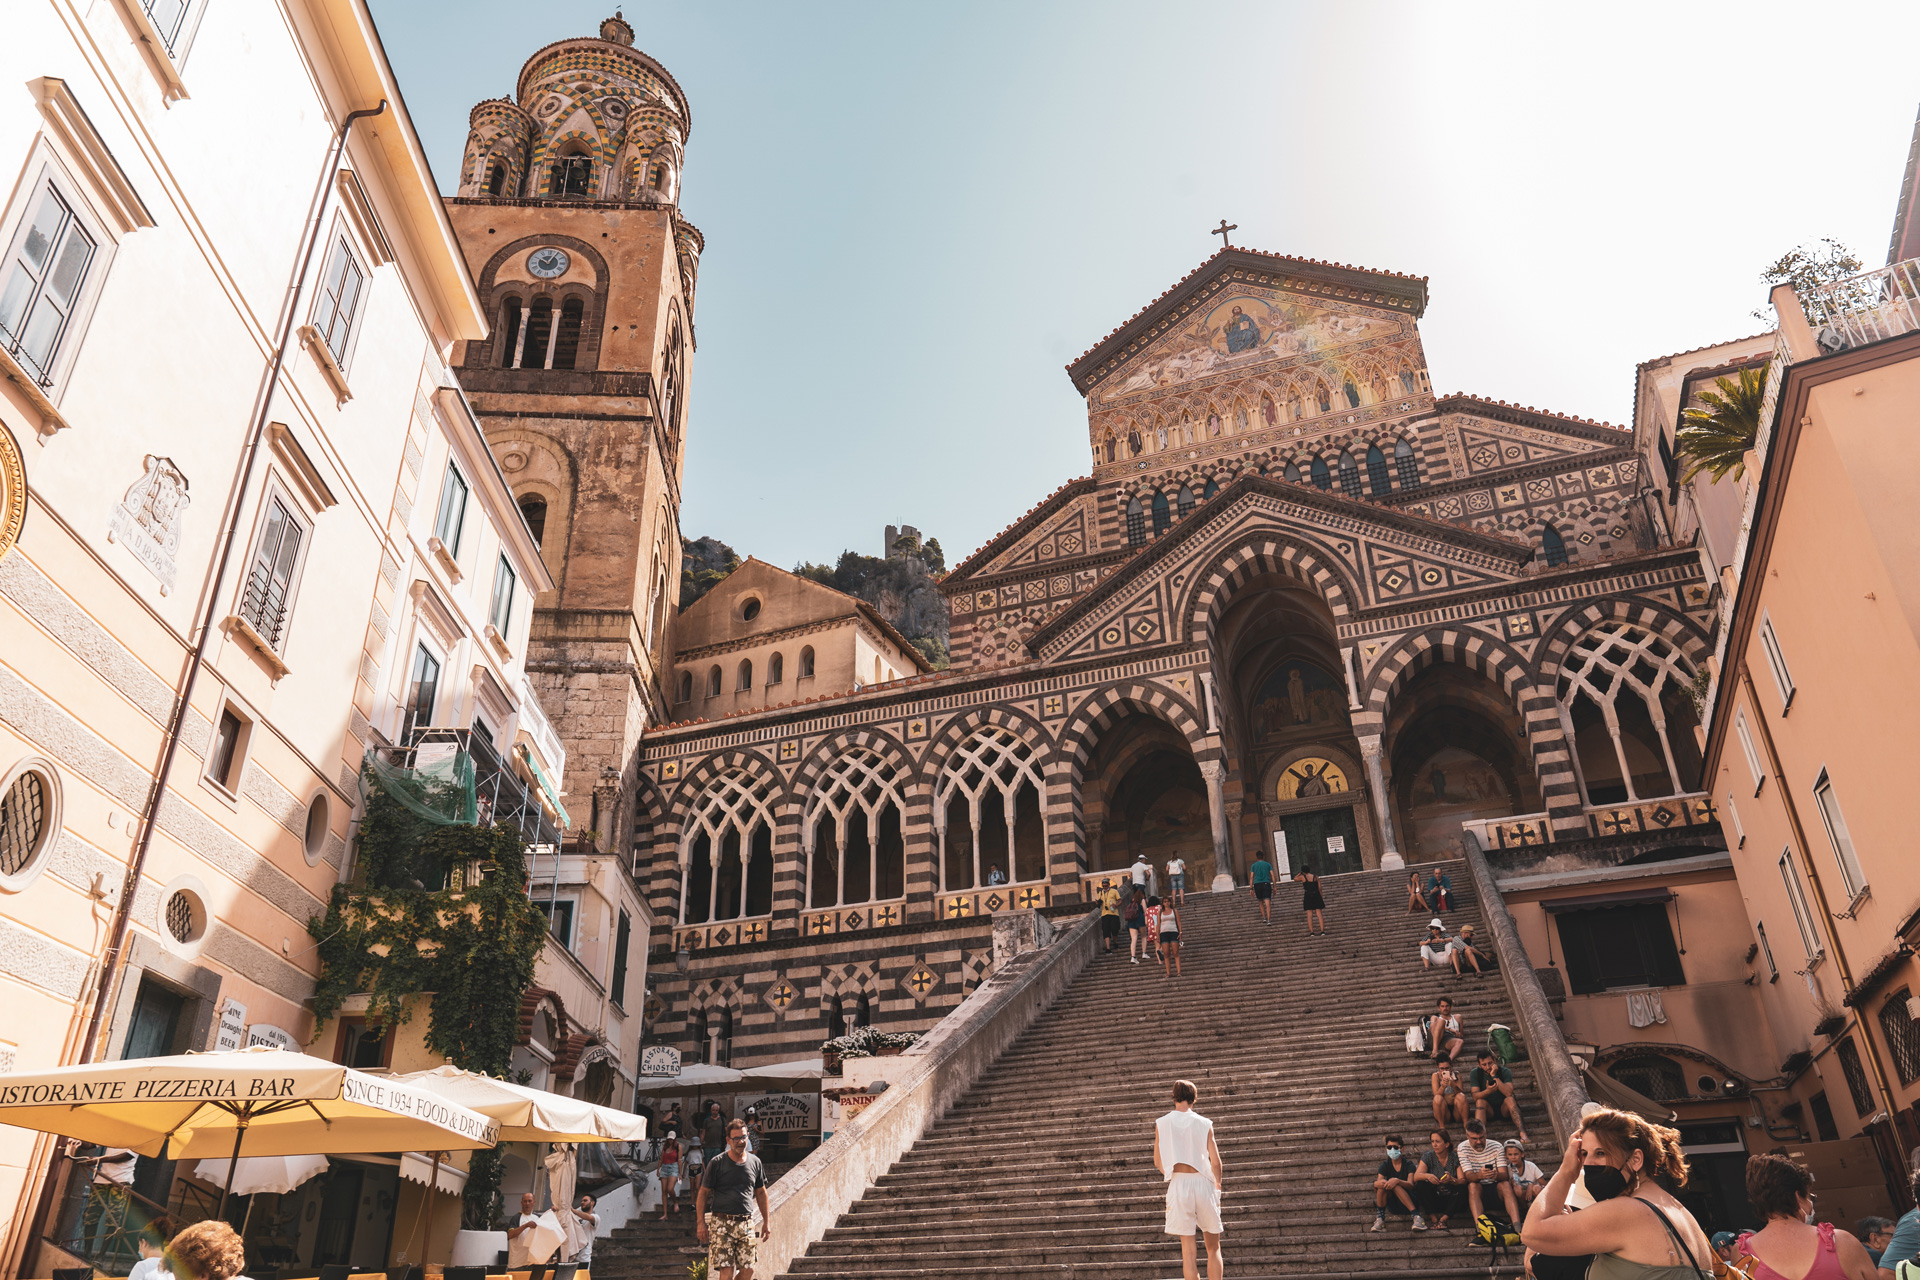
(270, 578)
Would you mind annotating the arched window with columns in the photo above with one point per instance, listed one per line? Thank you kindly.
(1407, 465)
(1379, 482)
(987, 813)
(1625, 708)
(726, 852)
(852, 836)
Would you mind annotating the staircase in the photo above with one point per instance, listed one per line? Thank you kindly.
(1046, 1165)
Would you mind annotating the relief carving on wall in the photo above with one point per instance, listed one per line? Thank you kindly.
(147, 521)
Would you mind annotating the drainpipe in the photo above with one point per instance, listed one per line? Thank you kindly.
(1554, 1073)
(1819, 890)
(123, 911)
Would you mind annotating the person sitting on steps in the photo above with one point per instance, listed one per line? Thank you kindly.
(1443, 1032)
(1449, 1097)
(1483, 1165)
(1491, 1085)
(1523, 1173)
(1436, 947)
(1437, 1188)
(1440, 891)
(1393, 1187)
(1416, 901)
(1464, 952)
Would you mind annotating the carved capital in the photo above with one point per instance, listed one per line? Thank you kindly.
(1370, 747)
(1213, 770)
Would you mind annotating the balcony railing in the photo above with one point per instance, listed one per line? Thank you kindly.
(1877, 304)
(500, 795)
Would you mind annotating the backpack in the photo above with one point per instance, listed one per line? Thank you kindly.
(1498, 1235)
(1416, 1039)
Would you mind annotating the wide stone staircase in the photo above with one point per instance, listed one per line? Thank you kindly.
(1296, 1044)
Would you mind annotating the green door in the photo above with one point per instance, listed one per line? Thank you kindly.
(1325, 839)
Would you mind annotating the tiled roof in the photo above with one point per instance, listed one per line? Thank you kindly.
(1527, 408)
(1708, 347)
(968, 563)
(1217, 255)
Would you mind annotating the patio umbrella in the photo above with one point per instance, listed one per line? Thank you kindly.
(530, 1115)
(272, 1101)
(253, 1174)
(787, 1072)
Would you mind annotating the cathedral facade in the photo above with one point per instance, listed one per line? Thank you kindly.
(1300, 605)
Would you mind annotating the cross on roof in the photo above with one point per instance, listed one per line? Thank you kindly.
(1222, 230)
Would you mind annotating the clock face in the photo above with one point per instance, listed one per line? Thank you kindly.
(547, 263)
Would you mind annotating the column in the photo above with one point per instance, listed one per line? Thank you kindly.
(1216, 774)
(1235, 839)
(1390, 859)
(1206, 686)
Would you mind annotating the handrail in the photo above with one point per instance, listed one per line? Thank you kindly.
(1554, 1074)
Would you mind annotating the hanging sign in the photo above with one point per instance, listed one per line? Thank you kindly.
(782, 1112)
(1336, 844)
(660, 1060)
(271, 1036)
(232, 1032)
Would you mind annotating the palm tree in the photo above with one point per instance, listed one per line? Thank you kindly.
(1715, 436)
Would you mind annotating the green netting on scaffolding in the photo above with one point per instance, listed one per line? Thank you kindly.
(439, 788)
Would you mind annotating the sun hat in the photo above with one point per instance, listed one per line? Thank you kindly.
(1466, 928)
(1435, 923)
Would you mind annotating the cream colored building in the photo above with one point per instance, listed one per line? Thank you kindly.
(380, 580)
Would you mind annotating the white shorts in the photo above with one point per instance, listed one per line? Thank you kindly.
(1192, 1202)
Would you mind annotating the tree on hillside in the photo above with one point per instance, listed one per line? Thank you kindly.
(703, 563)
(901, 587)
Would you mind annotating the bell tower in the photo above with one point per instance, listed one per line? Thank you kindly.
(568, 210)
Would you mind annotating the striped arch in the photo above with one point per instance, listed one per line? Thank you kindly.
(1216, 582)
(1477, 651)
(807, 776)
(1657, 618)
(958, 729)
(1093, 718)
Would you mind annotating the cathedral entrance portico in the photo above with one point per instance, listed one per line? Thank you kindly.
(1315, 812)
(1145, 796)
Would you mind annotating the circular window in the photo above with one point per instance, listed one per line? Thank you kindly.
(319, 814)
(29, 817)
(750, 610)
(180, 917)
(183, 916)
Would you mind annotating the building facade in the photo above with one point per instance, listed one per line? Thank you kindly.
(1301, 605)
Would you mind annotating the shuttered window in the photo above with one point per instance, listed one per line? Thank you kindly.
(267, 597)
(1630, 946)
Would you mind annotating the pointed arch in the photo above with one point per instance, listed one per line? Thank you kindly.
(1553, 547)
(1217, 580)
(1379, 480)
(1094, 718)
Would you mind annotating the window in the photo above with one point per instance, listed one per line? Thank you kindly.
(1553, 548)
(566, 338)
(1406, 464)
(1629, 946)
(510, 317)
(621, 942)
(229, 741)
(1185, 506)
(1733, 816)
(746, 675)
(1162, 517)
(1903, 1035)
(505, 582)
(559, 914)
(361, 1048)
(1213, 487)
(1823, 1126)
(46, 271)
(986, 812)
(1766, 949)
(573, 176)
(266, 599)
(852, 837)
(1746, 745)
(686, 687)
(319, 816)
(1349, 475)
(1292, 472)
(337, 306)
(713, 681)
(1379, 481)
(806, 663)
(1857, 1086)
(726, 860)
(1837, 836)
(29, 821)
(1623, 688)
(452, 516)
(1322, 478)
(535, 336)
(750, 610)
(533, 509)
(168, 16)
(776, 668)
(423, 687)
(496, 178)
(1652, 1074)
(1797, 897)
(1136, 523)
(1782, 678)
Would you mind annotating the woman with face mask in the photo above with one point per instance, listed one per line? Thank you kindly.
(1790, 1245)
(1635, 1229)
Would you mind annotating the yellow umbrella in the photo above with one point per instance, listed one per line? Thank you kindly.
(205, 1105)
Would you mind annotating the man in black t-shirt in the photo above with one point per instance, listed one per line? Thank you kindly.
(1394, 1182)
(1491, 1085)
(734, 1182)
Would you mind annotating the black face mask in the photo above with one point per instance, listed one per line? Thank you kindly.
(1604, 1182)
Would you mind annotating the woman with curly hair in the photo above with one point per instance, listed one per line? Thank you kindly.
(1790, 1245)
(1634, 1229)
(209, 1250)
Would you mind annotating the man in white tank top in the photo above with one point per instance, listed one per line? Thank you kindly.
(1183, 1147)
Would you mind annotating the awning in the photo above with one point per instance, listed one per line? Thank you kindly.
(1595, 901)
(547, 785)
(417, 1167)
(813, 1068)
(1608, 1092)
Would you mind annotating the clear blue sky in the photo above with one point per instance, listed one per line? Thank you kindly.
(916, 214)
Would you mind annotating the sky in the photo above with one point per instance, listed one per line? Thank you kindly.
(917, 214)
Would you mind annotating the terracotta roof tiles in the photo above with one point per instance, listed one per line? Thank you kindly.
(1527, 408)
